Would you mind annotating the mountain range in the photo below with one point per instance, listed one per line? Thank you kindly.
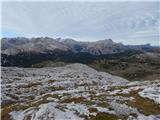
(20, 51)
(12, 46)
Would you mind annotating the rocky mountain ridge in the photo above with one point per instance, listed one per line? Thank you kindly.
(13, 46)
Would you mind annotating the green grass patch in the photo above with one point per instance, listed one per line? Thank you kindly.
(104, 116)
(74, 99)
(29, 85)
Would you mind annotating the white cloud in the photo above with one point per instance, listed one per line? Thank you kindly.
(85, 20)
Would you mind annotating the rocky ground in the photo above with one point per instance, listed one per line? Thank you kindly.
(76, 92)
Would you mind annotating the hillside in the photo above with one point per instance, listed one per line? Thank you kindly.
(144, 66)
(76, 92)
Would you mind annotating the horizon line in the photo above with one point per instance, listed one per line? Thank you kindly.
(64, 38)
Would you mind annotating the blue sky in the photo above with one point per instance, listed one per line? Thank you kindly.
(126, 22)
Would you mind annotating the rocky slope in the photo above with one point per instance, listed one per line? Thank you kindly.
(76, 92)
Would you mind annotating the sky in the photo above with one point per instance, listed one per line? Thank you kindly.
(126, 22)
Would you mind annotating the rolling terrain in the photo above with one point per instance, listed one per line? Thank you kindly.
(76, 92)
(144, 66)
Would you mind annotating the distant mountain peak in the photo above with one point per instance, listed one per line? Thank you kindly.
(107, 41)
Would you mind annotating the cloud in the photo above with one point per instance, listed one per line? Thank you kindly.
(81, 19)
